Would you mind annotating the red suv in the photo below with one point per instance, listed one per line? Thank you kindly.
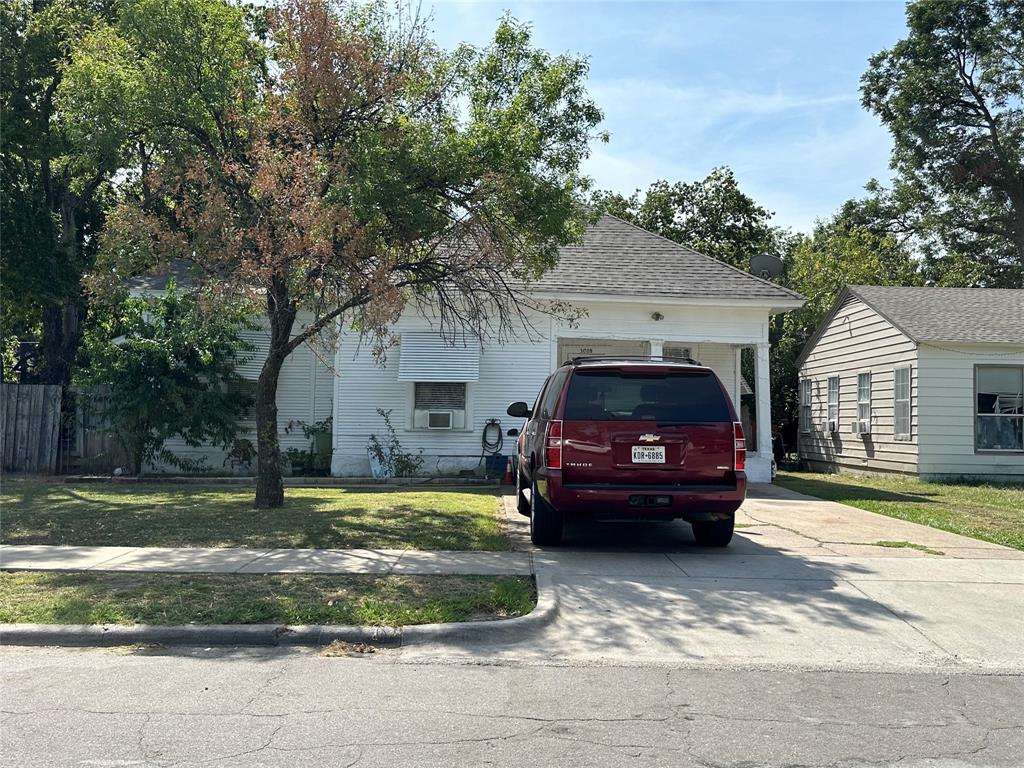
(631, 439)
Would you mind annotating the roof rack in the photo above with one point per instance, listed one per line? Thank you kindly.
(631, 358)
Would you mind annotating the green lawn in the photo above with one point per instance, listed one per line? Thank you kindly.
(165, 515)
(47, 597)
(989, 512)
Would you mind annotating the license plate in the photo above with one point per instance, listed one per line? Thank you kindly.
(648, 454)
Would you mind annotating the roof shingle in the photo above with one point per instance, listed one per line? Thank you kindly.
(958, 315)
(619, 258)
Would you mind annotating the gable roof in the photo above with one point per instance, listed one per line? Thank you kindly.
(622, 259)
(960, 315)
(926, 314)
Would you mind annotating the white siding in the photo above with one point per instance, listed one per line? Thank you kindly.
(857, 340)
(515, 371)
(305, 392)
(947, 412)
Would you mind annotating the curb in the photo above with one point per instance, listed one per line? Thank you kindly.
(261, 635)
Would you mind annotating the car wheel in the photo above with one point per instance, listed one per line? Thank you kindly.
(545, 520)
(522, 505)
(714, 533)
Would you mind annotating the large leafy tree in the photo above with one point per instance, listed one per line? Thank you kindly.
(335, 161)
(711, 215)
(952, 94)
(50, 199)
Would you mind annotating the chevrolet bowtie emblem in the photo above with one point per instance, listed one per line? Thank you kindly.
(649, 438)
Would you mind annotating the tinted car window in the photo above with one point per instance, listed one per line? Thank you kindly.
(550, 398)
(678, 396)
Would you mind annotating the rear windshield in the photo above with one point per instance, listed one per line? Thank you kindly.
(680, 396)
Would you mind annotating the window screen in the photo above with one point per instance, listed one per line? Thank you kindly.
(901, 395)
(864, 401)
(999, 408)
(833, 401)
(805, 405)
(440, 396)
(684, 397)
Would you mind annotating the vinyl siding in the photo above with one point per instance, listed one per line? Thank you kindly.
(858, 340)
(947, 412)
(511, 371)
(304, 393)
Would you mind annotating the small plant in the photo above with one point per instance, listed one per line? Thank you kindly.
(389, 456)
(242, 453)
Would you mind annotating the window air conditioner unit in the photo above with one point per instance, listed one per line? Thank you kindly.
(861, 427)
(833, 426)
(424, 418)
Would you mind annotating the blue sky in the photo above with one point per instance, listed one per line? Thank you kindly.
(767, 88)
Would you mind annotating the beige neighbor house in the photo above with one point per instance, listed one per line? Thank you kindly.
(923, 381)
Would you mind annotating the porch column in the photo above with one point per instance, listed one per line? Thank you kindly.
(764, 403)
(657, 347)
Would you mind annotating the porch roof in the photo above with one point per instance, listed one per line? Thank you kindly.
(621, 259)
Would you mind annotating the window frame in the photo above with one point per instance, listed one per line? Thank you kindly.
(864, 403)
(830, 406)
(974, 408)
(467, 407)
(806, 420)
(896, 400)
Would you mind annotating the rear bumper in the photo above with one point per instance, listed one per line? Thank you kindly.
(642, 502)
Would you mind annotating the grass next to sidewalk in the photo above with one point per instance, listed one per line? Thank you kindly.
(992, 513)
(47, 597)
(165, 515)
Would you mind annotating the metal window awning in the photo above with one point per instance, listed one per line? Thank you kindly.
(427, 356)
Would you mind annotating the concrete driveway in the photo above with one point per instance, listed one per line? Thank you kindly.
(803, 584)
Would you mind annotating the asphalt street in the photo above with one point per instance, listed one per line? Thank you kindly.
(297, 708)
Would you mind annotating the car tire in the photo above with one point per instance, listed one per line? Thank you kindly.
(522, 505)
(714, 533)
(545, 520)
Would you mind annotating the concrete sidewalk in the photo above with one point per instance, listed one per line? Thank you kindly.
(239, 560)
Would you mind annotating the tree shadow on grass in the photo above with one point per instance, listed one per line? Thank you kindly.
(835, 490)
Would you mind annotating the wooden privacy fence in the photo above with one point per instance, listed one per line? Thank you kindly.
(30, 427)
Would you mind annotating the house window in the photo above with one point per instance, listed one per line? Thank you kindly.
(999, 407)
(863, 403)
(439, 396)
(805, 405)
(833, 404)
(901, 406)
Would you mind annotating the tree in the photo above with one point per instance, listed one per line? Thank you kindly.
(951, 94)
(166, 369)
(330, 158)
(50, 203)
(713, 216)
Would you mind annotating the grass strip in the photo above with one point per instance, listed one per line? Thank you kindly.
(52, 597)
(164, 515)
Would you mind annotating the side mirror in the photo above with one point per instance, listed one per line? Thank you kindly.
(519, 410)
(512, 432)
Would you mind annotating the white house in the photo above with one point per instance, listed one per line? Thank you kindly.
(643, 294)
(924, 381)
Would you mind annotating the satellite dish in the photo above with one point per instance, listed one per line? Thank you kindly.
(766, 266)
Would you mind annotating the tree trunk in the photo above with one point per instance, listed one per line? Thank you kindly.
(269, 485)
(62, 331)
(281, 313)
(62, 315)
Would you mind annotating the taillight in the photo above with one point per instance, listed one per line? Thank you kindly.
(739, 454)
(553, 446)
